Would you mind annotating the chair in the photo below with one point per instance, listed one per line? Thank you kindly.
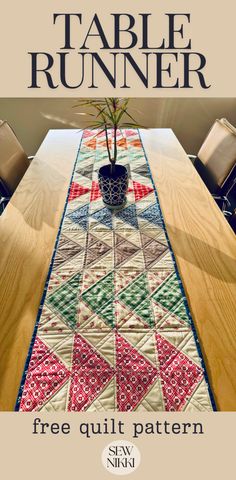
(216, 164)
(13, 163)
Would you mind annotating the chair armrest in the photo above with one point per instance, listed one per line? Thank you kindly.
(223, 199)
(4, 199)
(225, 205)
(227, 214)
(3, 203)
(230, 186)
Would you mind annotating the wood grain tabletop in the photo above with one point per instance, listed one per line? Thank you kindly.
(203, 243)
(28, 230)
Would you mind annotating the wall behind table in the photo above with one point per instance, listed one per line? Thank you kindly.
(190, 118)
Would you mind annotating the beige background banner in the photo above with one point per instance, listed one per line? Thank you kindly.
(37, 457)
(27, 26)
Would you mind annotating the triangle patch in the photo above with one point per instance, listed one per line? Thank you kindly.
(124, 251)
(128, 215)
(95, 191)
(135, 375)
(80, 216)
(76, 191)
(140, 190)
(86, 171)
(46, 375)
(90, 375)
(179, 374)
(100, 298)
(64, 301)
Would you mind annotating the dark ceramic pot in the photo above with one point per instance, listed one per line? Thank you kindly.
(113, 185)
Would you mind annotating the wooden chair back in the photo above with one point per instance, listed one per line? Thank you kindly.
(13, 160)
(218, 154)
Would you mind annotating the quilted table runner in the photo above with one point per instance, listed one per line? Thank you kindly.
(114, 330)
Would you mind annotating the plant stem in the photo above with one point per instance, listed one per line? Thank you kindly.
(107, 143)
(115, 143)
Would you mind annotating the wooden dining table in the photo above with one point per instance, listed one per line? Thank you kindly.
(202, 241)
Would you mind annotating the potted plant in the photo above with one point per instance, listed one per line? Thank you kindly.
(109, 116)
